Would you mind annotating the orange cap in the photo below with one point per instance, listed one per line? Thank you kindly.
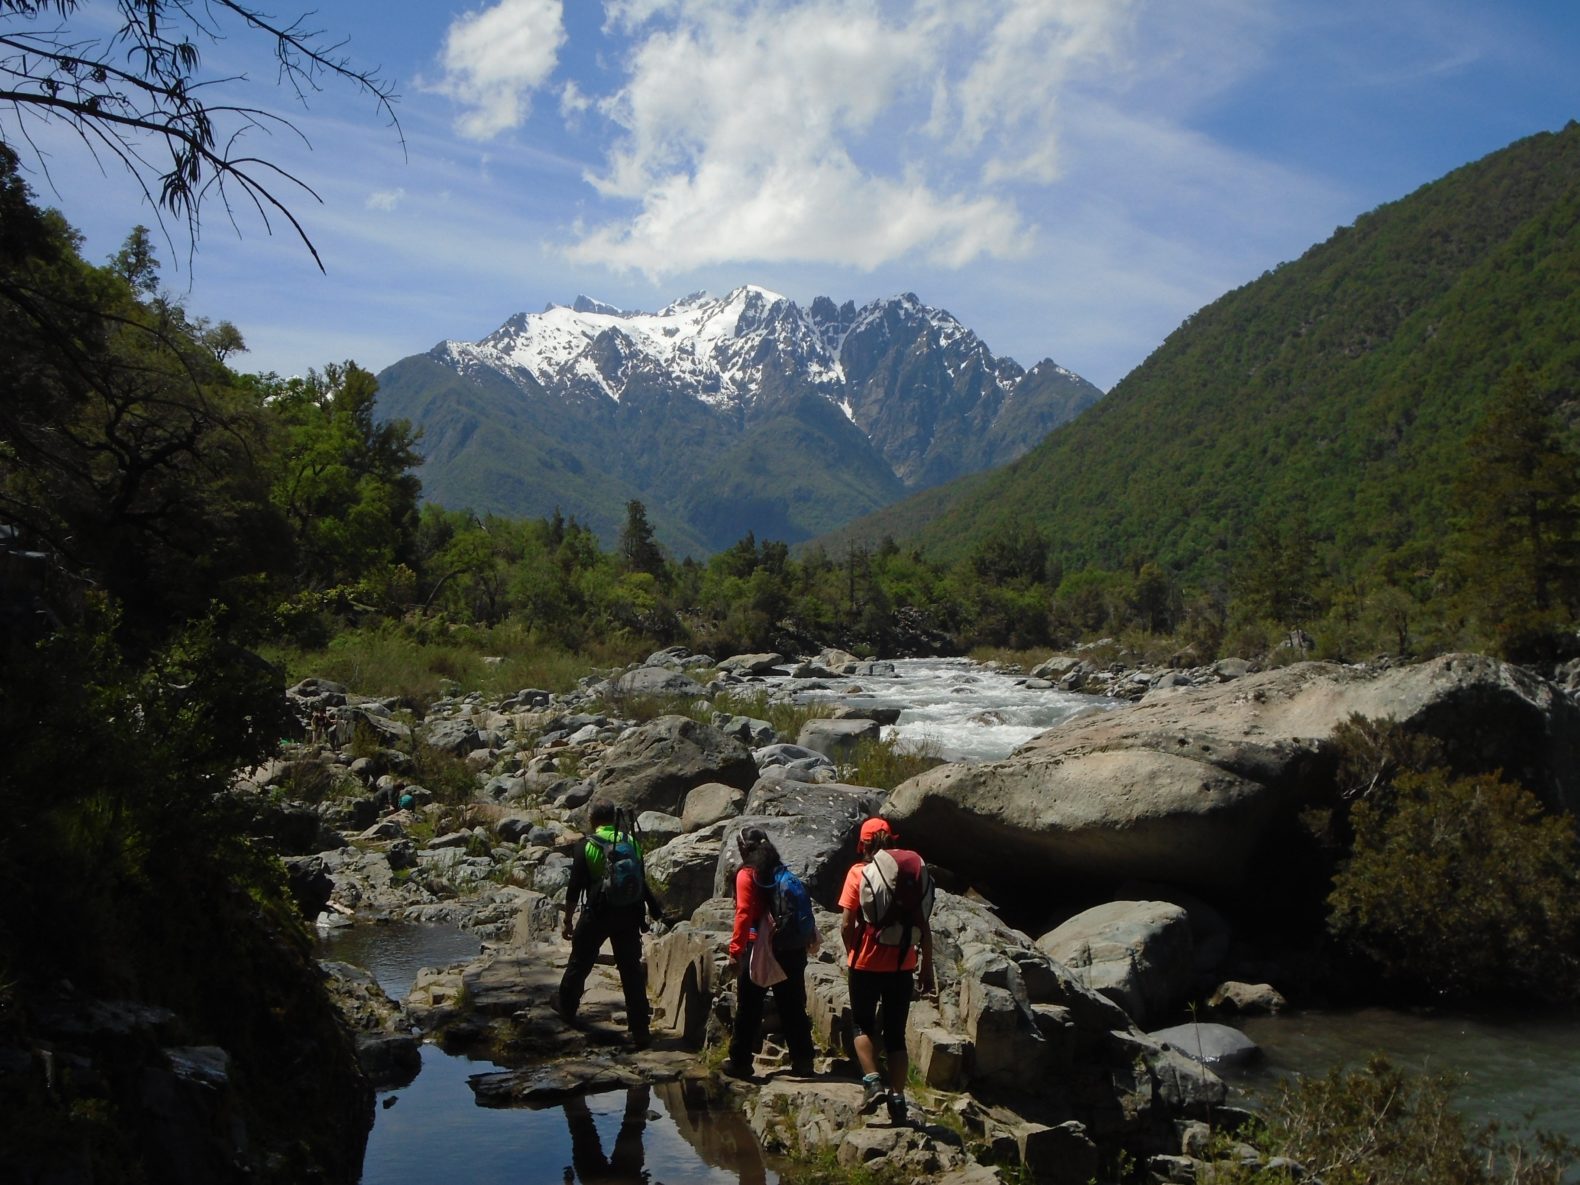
(875, 827)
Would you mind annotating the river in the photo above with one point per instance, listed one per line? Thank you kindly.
(1509, 1068)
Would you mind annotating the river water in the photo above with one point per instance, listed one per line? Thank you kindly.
(1511, 1068)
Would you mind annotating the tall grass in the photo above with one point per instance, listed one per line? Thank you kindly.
(886, 762)
(419, 668)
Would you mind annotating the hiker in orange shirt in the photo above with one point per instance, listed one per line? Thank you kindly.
(883, 958)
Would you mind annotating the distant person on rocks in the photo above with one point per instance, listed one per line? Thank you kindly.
(756, 883)
(884, 907)
(609, 872)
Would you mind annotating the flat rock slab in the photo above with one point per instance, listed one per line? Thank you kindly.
(542, 1086)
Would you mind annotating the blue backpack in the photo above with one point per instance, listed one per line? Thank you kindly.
(623, 881)
(791, 905)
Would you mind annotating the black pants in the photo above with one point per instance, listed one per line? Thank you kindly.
(789, 998)
(621, 927)
(891, 989)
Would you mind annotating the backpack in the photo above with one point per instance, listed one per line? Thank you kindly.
(794, 926)
(896, 894)
(624, 880)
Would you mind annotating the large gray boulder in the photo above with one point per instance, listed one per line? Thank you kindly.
(836, 739)
(1191, 788)
(653, 766)
(1137, 953)
(710, 803)
(683, 869)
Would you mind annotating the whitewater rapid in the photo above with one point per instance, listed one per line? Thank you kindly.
(960, 709)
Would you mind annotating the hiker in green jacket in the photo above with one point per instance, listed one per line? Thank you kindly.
(608, 871)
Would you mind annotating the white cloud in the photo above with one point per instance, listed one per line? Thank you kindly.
(495, 58)
(385, 199)
(836, 130)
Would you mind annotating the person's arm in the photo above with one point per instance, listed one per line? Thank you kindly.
(924, 970)
(849, 929)
(747, 908)
(574, 889)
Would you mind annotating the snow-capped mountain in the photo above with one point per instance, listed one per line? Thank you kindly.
(722, 414)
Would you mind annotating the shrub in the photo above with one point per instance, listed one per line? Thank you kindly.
(1463, 887)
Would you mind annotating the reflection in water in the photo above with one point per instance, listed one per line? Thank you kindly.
(721, 1137)
(623, 1166)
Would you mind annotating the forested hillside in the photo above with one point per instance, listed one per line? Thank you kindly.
(1328, 402)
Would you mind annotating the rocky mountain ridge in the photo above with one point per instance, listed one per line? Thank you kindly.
(722, 414)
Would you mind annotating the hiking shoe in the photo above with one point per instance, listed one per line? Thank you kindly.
(641, 1040)
(737, 1070)
(897, 1108)
(803, 1068)
(873, 1095)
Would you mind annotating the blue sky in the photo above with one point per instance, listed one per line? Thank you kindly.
(1070, 178)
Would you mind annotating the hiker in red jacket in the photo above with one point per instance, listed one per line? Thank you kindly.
(881, 967)
(754, 888)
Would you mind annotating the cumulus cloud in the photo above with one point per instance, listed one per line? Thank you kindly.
(495, 58)
(846, 130)
(858, 132)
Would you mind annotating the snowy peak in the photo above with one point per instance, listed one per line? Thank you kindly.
(716, 348)
(742, 411)
(922, 389)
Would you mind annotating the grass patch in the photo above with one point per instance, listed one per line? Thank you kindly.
(884, 763)
(785, 716)
(419, 665)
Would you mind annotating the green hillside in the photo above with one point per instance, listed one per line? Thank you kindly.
(1336, 391)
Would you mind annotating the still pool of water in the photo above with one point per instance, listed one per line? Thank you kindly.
(433, 1130)
(1510, 1068)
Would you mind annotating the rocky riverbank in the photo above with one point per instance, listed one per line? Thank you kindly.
(1049, 1044)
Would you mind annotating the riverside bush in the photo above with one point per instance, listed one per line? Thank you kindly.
(1462, 887)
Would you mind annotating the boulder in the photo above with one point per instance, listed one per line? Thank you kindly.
(710, 803)
(837, 739)
(682, 871)
(1198, 787)
(752, 664)
(808, 765)
(657, 828)
(652, 766)
(457, 736)
(1210, 1044)
(749, 730)
(1137, 953)
(1233, 996)
(661, 681)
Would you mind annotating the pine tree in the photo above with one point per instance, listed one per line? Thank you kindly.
(639, 552)
(1518, 553)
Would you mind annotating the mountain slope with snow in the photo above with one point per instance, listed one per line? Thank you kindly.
(722, 414)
